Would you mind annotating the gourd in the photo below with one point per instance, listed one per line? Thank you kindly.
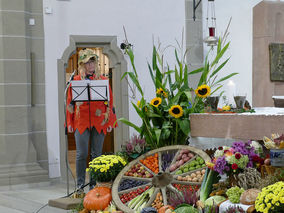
(98, 198)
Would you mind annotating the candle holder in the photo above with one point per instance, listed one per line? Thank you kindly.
(213, 102)
(240, 100)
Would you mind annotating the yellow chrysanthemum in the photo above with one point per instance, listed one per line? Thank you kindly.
(160, 91)
(156, 101)
(176, 111)
(203, 91)
(226, 108)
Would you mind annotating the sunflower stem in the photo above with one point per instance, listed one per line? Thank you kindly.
(176, 132)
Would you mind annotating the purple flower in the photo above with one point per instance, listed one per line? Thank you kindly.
(129, 148)
(221, 165)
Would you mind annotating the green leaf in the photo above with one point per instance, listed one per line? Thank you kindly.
(196, 71)
(158, 134)
(136, 82)
(220, 54)
(139, 111)
(226, 77)
(178, 61)
(151, 73)
(184, 125)
(127, 122)
(219, 68)
(185, 77)
(216, 90)
(123, 76)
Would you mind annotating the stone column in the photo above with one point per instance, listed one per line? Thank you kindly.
(268, 19)
(23, 148)
(194, 40)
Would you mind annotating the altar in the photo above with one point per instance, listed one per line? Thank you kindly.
(243, 126)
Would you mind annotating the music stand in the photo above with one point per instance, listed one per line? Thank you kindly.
(82, 91)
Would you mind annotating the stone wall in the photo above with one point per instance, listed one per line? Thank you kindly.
(23, 149)
(268, 18)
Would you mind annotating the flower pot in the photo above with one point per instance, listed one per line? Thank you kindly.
(104, 184)
(277, 157)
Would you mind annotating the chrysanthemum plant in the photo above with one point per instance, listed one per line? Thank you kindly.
(165, 119)
(105, 168)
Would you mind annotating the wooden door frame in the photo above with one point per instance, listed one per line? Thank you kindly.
(120, 88)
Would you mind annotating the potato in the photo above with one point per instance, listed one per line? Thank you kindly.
(193, 175)
(203, 171)
(194, 179)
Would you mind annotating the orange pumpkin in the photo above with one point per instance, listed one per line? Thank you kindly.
(165, 208)
(98, 198)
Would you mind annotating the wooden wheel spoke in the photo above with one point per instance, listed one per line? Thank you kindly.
(172, 188)
(160, 161)
(137, 178)
(164, 195)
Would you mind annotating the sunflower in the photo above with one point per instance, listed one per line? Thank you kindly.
(176, 111)
(160, 91)
(156, 102)
(203, 91)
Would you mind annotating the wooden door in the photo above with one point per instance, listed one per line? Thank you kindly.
(106, 71)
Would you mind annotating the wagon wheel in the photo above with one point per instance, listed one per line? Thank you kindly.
(137, 177)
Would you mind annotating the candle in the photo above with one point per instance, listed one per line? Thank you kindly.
(231, 91)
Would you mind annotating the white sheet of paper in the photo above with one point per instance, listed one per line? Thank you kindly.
(99, 90)
(79, 90)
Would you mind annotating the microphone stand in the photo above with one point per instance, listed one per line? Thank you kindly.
(66, 134)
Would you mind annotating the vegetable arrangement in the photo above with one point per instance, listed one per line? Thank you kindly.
(234, 194)
(138, 171)
(139, 202)
(158, 202)
(128, 183)
(152, 163)
(153, 171)
(184, 156)
(167, 158)
(193, 177)
(192, 165)
(181, 187)
(130, 195)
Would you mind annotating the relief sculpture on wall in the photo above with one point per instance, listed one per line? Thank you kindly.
(276, 54)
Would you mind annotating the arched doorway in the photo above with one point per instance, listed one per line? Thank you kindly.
(118, 66)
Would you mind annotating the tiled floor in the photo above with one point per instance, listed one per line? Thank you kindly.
(30, 198)
(33, 198)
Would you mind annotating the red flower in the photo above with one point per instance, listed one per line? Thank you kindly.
(238, 156)
(220, 148)
(225, 151)
(234, 166)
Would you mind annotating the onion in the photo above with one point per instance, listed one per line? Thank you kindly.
(267, 161)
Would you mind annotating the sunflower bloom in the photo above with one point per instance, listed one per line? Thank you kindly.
(160, 91)
(203, 91)
(156, 102)
(176, 111)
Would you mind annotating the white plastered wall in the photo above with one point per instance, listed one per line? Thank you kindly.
(142, 20)
(240, 37)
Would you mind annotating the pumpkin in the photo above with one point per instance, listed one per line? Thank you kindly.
(165, 208)
(98, 198)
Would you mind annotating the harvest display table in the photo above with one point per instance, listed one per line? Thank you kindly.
(254, 126)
